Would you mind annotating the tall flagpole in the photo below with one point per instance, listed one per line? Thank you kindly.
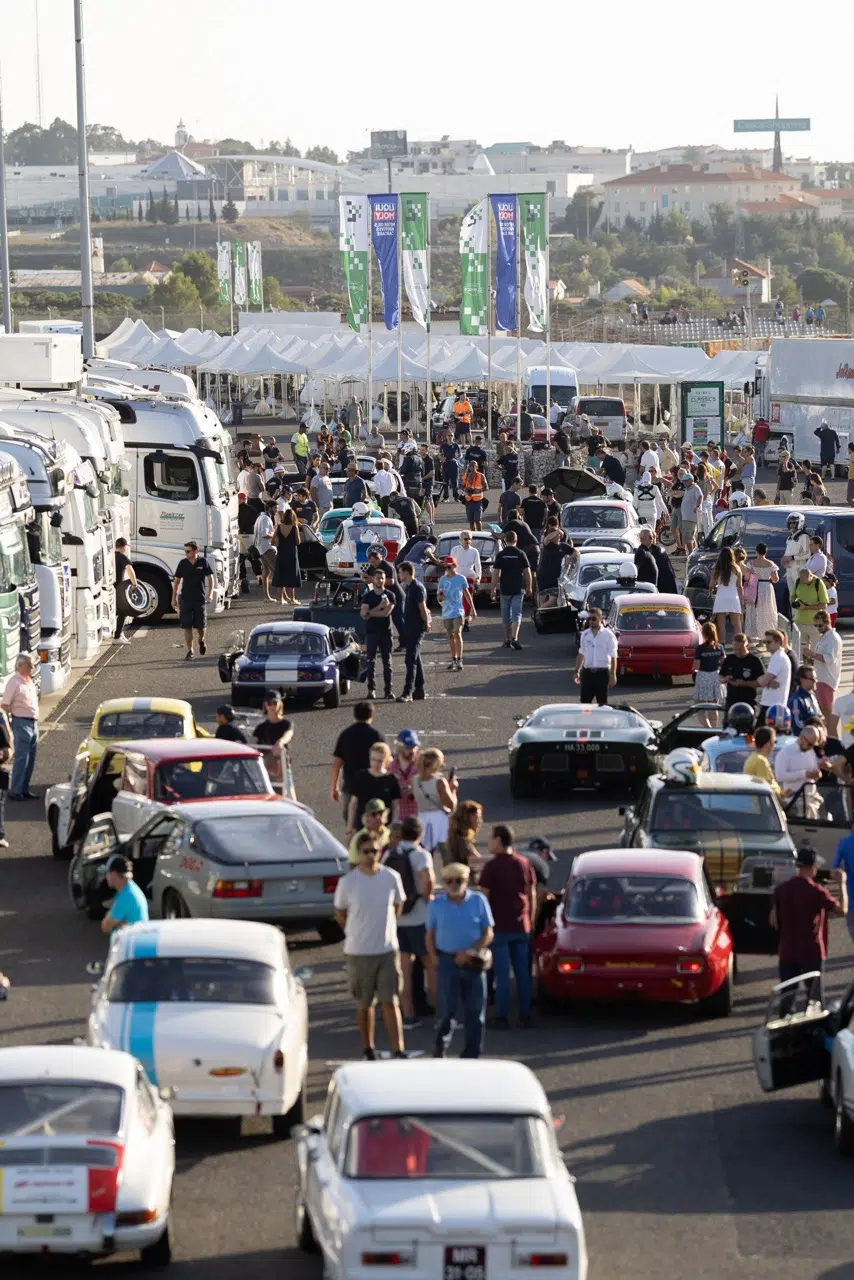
(399, 324)
(489, 307)
(5, 273)
(429, 317)
(370, 395)
(548, 320)
(518, 334)
(87, 299)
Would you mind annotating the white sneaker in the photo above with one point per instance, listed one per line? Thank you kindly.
(120, 640)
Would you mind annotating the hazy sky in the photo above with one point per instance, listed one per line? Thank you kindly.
(647, 74)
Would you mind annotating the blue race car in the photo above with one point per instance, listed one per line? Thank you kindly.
(727, 752)
(299, 659)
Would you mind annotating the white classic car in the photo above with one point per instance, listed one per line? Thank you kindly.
(348, 555)
(88, 1154)
(213, 1012)
(445, 1169)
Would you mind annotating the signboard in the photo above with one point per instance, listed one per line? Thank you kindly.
(792, 124)
(388, 143)
(702, 413)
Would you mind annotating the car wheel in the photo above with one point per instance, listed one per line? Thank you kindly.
(345, 684)
(843, 1125)
(332, 699)
(283, 1126)
(173, 906)
(75, 888)
(520, 788)
(158, 1254)
(61, 851)
(306, 1241)
(825, 1095)
(329, 931)
(539, 625)
(719, 1005)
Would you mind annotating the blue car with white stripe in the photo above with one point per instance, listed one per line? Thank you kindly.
(299, 659)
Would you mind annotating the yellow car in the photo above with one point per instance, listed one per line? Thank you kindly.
(123, 719)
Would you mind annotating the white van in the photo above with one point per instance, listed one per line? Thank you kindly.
(607, 413)
(563, 385)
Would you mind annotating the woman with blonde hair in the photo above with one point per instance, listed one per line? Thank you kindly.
(435, 795)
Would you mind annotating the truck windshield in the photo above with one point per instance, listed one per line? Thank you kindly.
(560, 395)
(15, 556)
(49, 540)
(216, 478)
(90, 511)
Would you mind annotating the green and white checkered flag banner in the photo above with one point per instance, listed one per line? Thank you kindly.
(223, 271)
(253, 254)
(474, 250)
(240, 293)
(414, 230)
(532, 218)
(353, 240)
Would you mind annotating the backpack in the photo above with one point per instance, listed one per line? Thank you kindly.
(397, 859)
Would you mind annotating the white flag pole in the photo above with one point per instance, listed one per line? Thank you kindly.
(548, 321)
(518, 335)
(488, 327)
(261, 274)
(428, 318)
(399, 322)
(370, 396)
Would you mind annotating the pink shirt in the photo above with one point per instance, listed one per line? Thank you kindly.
(21, 698)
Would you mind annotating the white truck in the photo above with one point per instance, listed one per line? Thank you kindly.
(807, 381)
(19, 599)
(562, 385)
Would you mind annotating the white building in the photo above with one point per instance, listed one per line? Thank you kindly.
(759, 157)
(649, 193)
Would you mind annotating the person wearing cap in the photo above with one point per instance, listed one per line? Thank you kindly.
(459, 929)
(799, 912)
(129, 905)
(375, 824)
(404, 767)
(376, 609)
(225, 726)
(453, 595)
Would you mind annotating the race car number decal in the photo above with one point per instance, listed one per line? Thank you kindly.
(191, 864)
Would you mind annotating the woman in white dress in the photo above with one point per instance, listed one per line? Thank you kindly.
(761, 613)
(729, 602)
(435, 796)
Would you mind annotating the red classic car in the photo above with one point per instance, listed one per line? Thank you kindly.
(656, 634)
(637, 924)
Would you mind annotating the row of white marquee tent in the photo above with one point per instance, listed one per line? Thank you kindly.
(342, 356)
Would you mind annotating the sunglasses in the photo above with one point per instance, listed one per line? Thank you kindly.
(454, 880)
(368, 848)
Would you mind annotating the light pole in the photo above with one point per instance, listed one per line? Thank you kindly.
(86, 291)
(5, 273)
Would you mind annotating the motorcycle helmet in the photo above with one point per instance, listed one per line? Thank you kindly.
(738, 499)
(360, 509)
(627, 572)
(795, 523)
(682, 765)
(779, 717)
(741, 717)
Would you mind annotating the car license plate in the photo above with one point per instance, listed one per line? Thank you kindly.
(43, 1231)
(600, 422)
(583, 747)
(465, 1262)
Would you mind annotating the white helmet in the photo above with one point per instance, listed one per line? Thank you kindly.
(798, 520)
(738, 499)
(628, 569)
(360, 509)
(682, 765)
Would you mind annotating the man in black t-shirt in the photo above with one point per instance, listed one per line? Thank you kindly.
(476, 453)
(194, 584)
(352, 752)
(376, 609)
(225, 726)
(124, 574)
(525, 540)
(373, 783)
(740, 673)
(534, 511)
(376, 560)
(416, 621)
(511, 579)
(303, 507)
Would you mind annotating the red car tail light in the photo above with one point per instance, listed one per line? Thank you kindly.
(690, 966)
(397, 1258)
(570, 964)
(278, 1060)
(330, 883)
(136, 1217)
(542, 1260)
(239, 889)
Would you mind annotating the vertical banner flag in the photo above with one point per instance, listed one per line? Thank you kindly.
(353, 243)
(384, 210)
(414, 235)
(474, 249)
(532, 218)
(223, 270)
(240, 294)
(253, 254)
(504, 209)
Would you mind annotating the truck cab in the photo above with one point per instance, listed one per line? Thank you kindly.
(19, 592)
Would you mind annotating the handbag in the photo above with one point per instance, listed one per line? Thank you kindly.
(751, 589)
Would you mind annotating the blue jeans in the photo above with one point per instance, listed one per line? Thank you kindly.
(511, 609)
(460, 986)
(25, 735)
(512, 949)
(414, 682)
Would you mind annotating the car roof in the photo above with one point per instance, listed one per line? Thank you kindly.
(592, 555)
(67, 1062)
(158, 749)
(585, 708)
(475, 533)
(203, 811)
(234, 939)
(428, 1084)
(609, 862)
(622, 503)
(651, 599)
(177, 705)
(290, 628)
(714, 782)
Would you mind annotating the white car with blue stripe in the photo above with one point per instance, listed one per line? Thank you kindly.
(213, 1012)
(348, 555)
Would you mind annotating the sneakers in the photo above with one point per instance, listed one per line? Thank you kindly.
(458, 665)
(404, 697)
(452, 666)
(4, 843)
(400, 1053)
(203, 648)
(371, 695)
(439, 1050)
(514, 644)
(120, 640)
(389, 695)
(188, 657)
(409, 1024)
(370, 1055)
(506, 644)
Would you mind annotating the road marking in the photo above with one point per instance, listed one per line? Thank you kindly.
(139, 633)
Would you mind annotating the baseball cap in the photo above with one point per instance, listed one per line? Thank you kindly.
(452, 560)
(806, 856)
(120, 864)
(408, 738)
(375, 806)
(226, 710)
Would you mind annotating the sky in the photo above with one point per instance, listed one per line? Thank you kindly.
(650, 75)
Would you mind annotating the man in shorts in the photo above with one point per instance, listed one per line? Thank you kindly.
(368, 901)
(412, 926)
(192, 592)
(692, 501)
(454, 596)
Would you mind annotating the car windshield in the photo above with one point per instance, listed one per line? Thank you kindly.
(445, 1147)
(51, 1108)
(639, 618)
(633, 899)
(192, 980)
(730, 761)
(267, 837)
(593, 572)
(332, 521)
(602, 597)
(139, 724)
(686, 809)
(571, 719)
(374, 531)
(297, 642)
(214, 776)
(763, 525)
(576, 516)
(484, 544)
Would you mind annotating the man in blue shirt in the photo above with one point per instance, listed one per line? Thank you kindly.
(129, 905)
(459, 929)
(803, 703)
(843, 873)
(454, 596)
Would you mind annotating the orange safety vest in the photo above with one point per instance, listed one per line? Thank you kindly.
(462, 411)
(474, 489)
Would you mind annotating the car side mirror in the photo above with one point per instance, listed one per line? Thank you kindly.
(627, 811)
(302, 1132)
(166, 1093)
(95, 968)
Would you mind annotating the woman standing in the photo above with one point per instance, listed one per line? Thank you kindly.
(460, 846)
(708, 488)
(708, 657)
(786, 476)
(435, 796)
(286, 575)
(761, 614)
(727, 586)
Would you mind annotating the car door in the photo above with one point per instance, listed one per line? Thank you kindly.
(168, 488)
(635, 819)
(131, 804)
(791, 1046)
(685, 730)
(822, 830)
(322, 1176)
(148, 844)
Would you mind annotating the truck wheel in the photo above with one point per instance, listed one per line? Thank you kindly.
(160, 594)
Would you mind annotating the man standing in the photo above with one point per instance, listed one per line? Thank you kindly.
(778, 674)
(596, 664)
(124, 573)
(428, 469)
(797, 768)
(355, 490)
(352, 753)
(417, 622)
(21, 703)
(510, 502)
(375, 820)
(412, 470)
(534, 512)
(467, 557)
(404, 767)
(129, 905)
(453, 595)
(510, 886)
(511, 577)
(368, 901)
(459, 929)
(462, 418)
(807, 598)
(190, 596)
(829, 442)
(376, 610)
(321, 489)
(645, 561)
(692, 501)
(799, 912)
(225, 726)
(414, 864)
(373, 783)
(740, 673)
(384, 485)
(476, 453)
(300, 447)
(826, 653)
(803, 703)
(263, 539)
(664, 569)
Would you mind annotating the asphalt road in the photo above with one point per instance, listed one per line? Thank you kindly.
(684, 1169)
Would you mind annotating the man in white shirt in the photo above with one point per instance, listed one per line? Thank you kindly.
(826, 655)
(817, 562)
(467, 557)
(250, 481)
(321, 489)
(797, 766)
(262, 536)
(554, 413)
(778, 675)
(596, 663)
(649, 460)
(384, 485)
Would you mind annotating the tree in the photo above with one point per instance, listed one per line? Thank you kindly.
(230, 211)
(153, 213)
(286, 148)
(186, 213)
(211, 211)
(178, 293)
(816, 285)
(104, 138)
(120, 264)
(141, 214)
(325, 154)
(200, 267)
(31, 145)
(168, 210)
(199, 212)
(234, 147)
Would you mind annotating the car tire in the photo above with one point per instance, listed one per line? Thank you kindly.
(158, 1254)
(345, 684)
(539, 625)
(173, 906)
(306, 1240)
(843, 1125)
(62, 852)
(329, 932)
(520, 789)
(719, 1005)
(825, 1095)
(283, 1126)
(160, 594)
(332, 699)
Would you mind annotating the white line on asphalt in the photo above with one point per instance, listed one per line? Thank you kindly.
(140, 632)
